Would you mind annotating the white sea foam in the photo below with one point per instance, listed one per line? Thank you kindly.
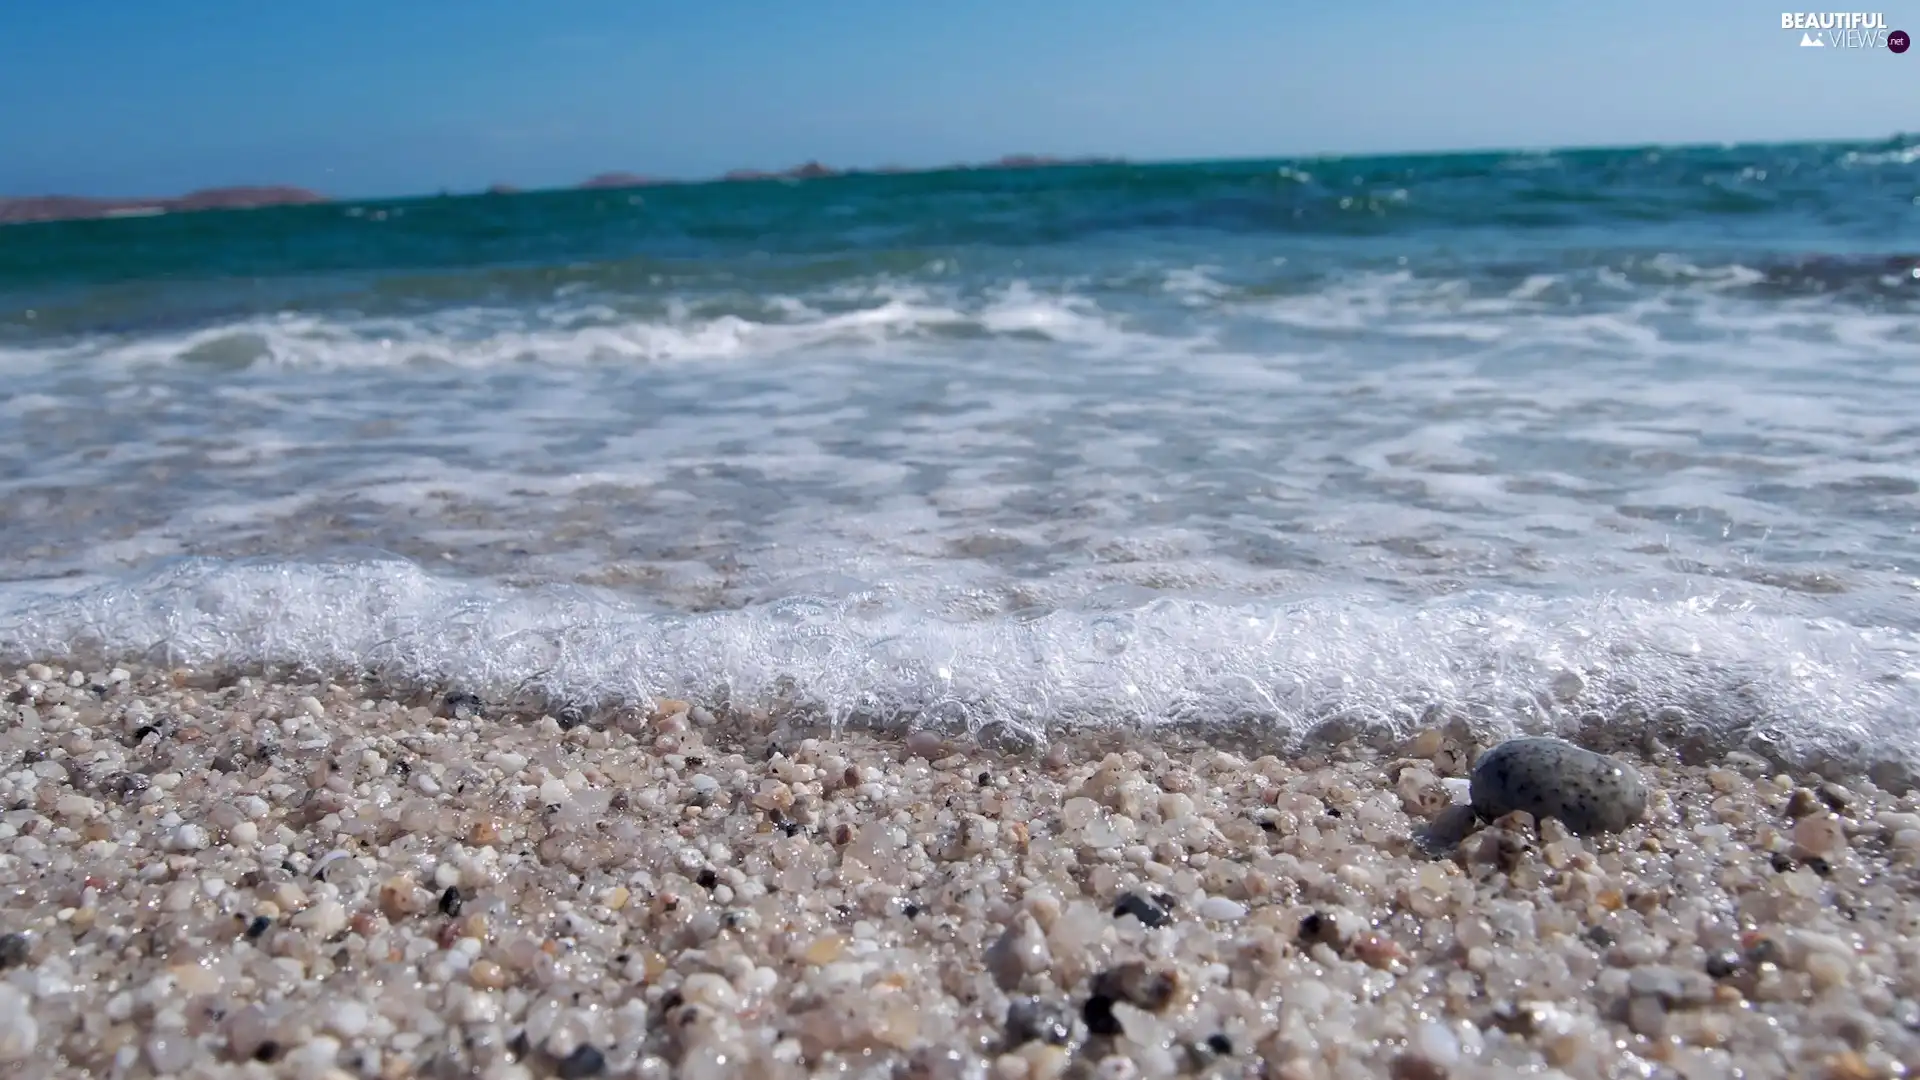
(1710, 672)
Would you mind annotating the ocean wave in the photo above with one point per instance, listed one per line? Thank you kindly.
(1708, 673)
(1155, 308)
(590, 332)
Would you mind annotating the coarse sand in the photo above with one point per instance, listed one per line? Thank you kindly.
(207, 876)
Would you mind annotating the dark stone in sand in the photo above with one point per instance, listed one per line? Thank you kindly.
(586, 1060)
(1588, 792)
(1149, 988)
(1149, 914)
(1034, 1020)
(1098, 1013)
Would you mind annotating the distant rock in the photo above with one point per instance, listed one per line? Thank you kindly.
(812, 170)
(70, 207)
(620, 180)
(66, 207)
(1042, 161)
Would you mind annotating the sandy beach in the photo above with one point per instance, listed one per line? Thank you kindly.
(208, 877)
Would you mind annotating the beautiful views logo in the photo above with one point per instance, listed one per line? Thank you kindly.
(1845, 30)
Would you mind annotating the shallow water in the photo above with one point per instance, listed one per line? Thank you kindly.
(1550, 440)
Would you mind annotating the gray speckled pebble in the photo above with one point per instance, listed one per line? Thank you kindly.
(1588, 792)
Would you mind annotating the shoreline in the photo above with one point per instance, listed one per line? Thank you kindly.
(292, 879)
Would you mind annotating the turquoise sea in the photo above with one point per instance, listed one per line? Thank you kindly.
(1545, 441)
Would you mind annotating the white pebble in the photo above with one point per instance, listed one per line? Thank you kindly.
(1223, 909)
(555, 793)
(325, 919)
(312, 707)
(169, 1051)
(19, 1033)
(188, 837)
(1437, 1044)
(314, 1058)
(348, 1019)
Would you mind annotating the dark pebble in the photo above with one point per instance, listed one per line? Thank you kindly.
(1137, 984)
(1220, 1044)
(258, 926)
(450, 901)
(1819, 865)
(1098, 1013)
(707, 879)
(1549, 778)
(1764, 951)
(14, 950)
(1801, 803)
(1415, 1067)
(1782, 864)
(1724, 964)
(1035, 1020)
(1318, 929)
(463, 706)
(125, 784)
(1149, 914)
(586, 1060)
(1600, 936)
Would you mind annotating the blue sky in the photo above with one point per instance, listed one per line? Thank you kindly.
(360, 98)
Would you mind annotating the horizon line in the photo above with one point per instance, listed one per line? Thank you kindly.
(1006, 162)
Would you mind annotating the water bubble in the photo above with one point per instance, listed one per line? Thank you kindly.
(1112, 634)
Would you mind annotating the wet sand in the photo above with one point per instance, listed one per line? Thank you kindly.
(205, 877)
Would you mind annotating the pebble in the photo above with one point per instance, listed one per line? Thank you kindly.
(1822, 834)
(323, 919)
(585, 1060)
(348, 1019)
(15, 949)
(1222, 909)
(1587, 792)
(1020, 950)
(186, 838)
(1034, 1019)
(1437, 1043)
(19, 1033)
